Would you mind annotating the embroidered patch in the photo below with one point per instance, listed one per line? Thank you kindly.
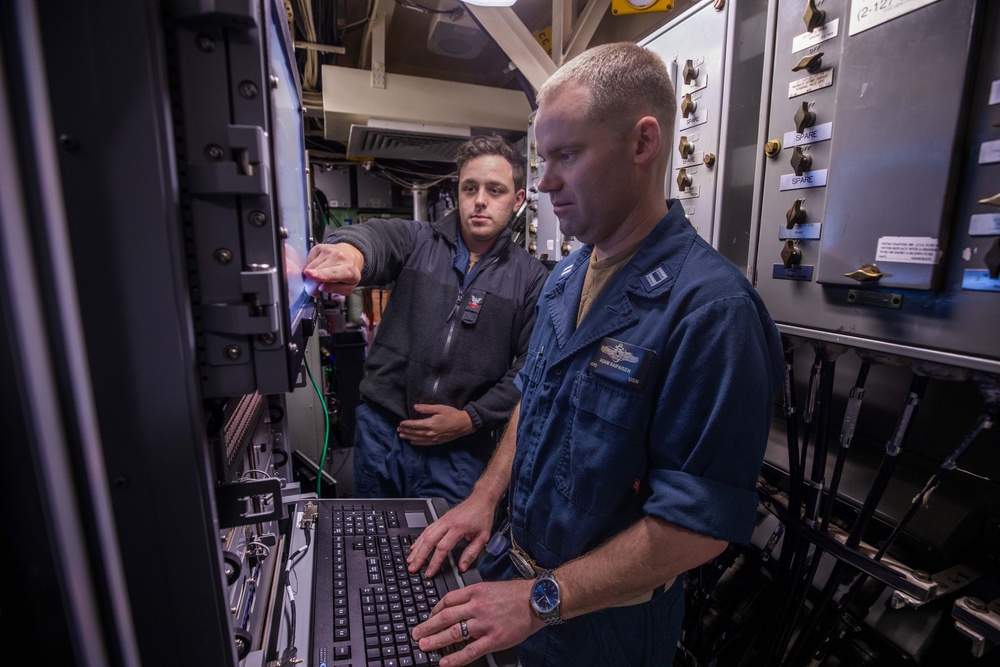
(473, 306)
(623, 362)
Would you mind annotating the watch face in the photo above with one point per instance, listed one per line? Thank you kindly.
(545, 595)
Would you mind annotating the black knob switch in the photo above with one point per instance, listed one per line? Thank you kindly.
(690, 72)
(790, 255)
(813, 17)
(795, 215)
(804, 118)
(801, 162)
(810, 63)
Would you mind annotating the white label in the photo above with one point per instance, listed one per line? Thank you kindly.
(695, 158)
(699, 83)
(550, 244)
(696, 117)
(989, 152)
(817, 36)
(690, 193)
(689, 211)
(908, 250)
(808, 179)
(984, 224)
(867, 14)
(995, 93)
(810, 83)
(809, 231)
(809, 136)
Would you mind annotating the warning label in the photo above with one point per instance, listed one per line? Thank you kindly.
(908, 250)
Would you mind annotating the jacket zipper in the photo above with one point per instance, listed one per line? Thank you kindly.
(453, 322)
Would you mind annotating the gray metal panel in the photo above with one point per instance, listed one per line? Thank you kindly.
(945, 324)
(373, 191)
(726, 47)
(899, 111)
(335, 183)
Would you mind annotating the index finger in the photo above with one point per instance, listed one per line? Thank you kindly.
(436, 538)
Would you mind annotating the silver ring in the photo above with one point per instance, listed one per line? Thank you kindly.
(465, 629)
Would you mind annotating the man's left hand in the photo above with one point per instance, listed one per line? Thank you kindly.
(497, 616)
(444, 424)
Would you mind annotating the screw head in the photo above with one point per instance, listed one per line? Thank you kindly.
(274, 81)
(921, 575)
(205, 43)
(223, 256)
(258, 218)
(248, 89)
(975, 604)
(293, 348)
(233, 352)
(772, 148)
(69, 142)
(268, 338)
(214, 152)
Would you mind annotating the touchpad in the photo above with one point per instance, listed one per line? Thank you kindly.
(416, 520)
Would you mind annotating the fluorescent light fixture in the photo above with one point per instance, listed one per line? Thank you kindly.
(490, 3)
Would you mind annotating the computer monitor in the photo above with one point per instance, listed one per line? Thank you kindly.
(287, 141)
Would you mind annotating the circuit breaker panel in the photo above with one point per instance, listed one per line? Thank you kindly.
(877, 153)
(713, 52)
(543, 238)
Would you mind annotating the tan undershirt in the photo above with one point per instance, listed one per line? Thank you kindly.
(599, 274)
(473, 258)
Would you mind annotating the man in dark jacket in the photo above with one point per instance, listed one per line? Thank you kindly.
(440, 374)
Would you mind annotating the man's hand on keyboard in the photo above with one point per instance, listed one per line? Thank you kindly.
(497, 616)
(470, 520)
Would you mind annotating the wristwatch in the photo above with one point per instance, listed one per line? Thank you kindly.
(545, 598)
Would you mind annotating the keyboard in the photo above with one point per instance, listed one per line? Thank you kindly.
(365, 602)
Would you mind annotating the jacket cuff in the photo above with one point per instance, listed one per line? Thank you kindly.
(476, 421)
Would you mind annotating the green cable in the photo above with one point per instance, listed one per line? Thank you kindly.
(326, 435)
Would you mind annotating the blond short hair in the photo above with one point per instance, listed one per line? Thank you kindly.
(626, 81)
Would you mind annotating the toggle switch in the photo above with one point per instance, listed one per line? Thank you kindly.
(810, 63)
(688, 105)
(804, 118)
(801, 162)
(991, 201)
(683, 180)
(690, 72)
(992, 259)
(790, 255)
(795, 215)
(813, 17)
(866, 273)
(685, 147)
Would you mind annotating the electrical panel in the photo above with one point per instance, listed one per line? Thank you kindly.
(878, 148)
(543, 238)
(713, 52)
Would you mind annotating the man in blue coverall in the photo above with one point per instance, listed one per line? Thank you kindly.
(646, 399)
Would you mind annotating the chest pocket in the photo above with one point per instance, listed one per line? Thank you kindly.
(603, 454)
